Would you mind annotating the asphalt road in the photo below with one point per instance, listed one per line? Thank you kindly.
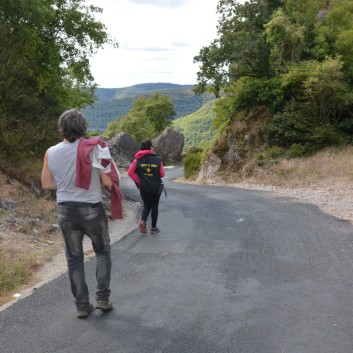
(233, 271)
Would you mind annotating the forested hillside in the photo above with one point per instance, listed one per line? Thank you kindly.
(112, 103)
(196, 127)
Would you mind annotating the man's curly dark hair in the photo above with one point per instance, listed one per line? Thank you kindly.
(72, 125)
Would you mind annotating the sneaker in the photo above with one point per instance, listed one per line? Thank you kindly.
(104, 305)
(142, 227)
(154, 230)
(83, 313)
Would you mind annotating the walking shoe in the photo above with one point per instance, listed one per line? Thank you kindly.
(104, 305)
(142, 227)
(83, 313)
(154, 230)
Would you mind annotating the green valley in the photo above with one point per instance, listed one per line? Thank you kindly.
(196, 127)
(112, 103)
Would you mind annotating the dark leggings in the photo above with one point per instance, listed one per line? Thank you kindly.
(150, 203)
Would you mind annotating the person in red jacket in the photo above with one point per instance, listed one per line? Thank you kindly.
(146, 171)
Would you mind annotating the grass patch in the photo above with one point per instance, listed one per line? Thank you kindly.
(192, 163)
(331, 164)
(15, 270)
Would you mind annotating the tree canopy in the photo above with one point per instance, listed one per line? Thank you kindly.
(147, 118)
(292, 57)
(44, 68)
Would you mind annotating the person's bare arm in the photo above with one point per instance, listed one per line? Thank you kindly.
(106, 179)
(47, 177)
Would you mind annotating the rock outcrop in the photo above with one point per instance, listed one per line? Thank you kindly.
(123, 148)
(209, 169)
(169, 145)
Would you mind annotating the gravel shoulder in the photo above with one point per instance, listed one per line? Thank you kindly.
(334, 197)
(336, 200)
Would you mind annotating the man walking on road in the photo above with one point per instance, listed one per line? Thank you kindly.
(80, 208)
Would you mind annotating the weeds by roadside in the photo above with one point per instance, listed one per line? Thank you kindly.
(15, 269)
(331, 165)
(29, 235)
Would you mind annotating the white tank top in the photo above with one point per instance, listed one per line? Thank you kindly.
(62, 164)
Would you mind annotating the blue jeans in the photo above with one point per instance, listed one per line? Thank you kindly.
(77, 219)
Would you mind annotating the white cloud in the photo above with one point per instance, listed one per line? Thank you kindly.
(162, 3)
(156, 43)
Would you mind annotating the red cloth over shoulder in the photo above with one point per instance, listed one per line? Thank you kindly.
(84, 170)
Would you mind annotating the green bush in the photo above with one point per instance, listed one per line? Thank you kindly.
(346, 126)
(269, 157)
(294, 125)
(192, 163)
(255, 92)
(300, 138)
(298, 150)
(327, 135)
(260, 160)
(274, 152)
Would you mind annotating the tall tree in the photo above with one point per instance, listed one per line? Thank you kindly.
(335, 34)
(44, 68)
(240, 49)
(286, 40)
(159, 110)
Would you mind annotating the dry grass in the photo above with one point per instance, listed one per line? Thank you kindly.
(16, 268)
(26, 171)
(28, 236)
(329, 166)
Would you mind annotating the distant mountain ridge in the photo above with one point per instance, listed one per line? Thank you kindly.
(112, 103)
(132, 91)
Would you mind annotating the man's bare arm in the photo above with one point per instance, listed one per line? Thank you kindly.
(106, 179)
(47, 177)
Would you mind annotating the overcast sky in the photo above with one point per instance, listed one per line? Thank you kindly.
(158, 40)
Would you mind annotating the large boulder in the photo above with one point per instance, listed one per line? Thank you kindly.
(123, 148)
(169, 145)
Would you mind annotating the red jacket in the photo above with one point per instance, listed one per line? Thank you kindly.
(133, 167)
(84, 170)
